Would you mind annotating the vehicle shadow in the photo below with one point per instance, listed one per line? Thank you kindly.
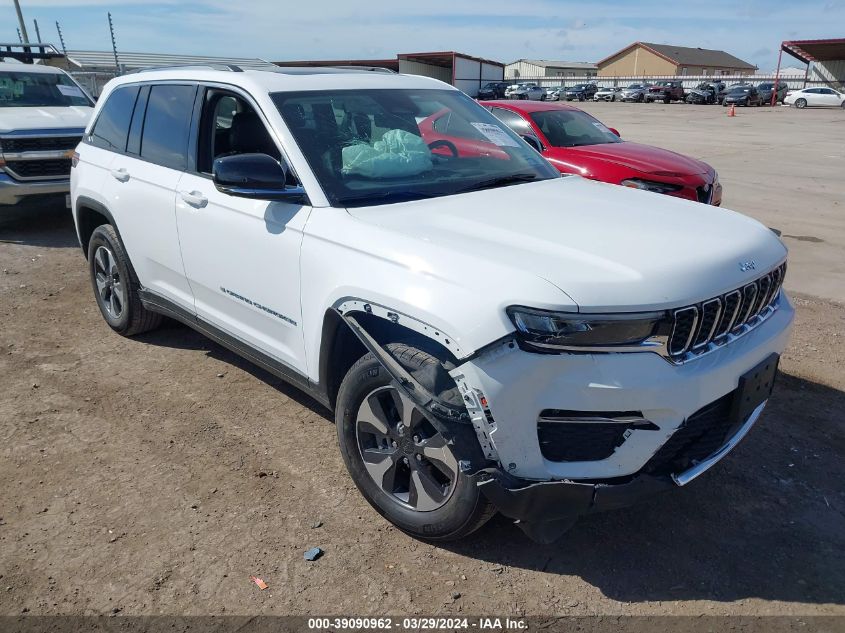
(47, 226)
(767, 522)
(178, 336)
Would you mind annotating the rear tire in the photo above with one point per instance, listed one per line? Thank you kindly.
(410, 475)
(801, 103)
(115, 287)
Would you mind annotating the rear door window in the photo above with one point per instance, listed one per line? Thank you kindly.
(112, 125)
(167, 125)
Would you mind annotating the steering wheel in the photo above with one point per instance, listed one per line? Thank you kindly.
(444, 143)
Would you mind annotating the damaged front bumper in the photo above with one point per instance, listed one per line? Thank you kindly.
(546, 509)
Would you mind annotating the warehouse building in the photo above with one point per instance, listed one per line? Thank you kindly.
(825, 60)
(465, 72)
(643, 59)
(538, 68)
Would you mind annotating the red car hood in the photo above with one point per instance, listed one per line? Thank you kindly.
(642, 158)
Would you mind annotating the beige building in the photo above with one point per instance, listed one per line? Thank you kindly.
(537, 68)
(642, 59)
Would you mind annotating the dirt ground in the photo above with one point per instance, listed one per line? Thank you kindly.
(157, 474)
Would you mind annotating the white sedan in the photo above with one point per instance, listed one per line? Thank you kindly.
(527, 91)
(815, 97)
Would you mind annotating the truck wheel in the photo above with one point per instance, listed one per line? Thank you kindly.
(114, 288)
(397, 459)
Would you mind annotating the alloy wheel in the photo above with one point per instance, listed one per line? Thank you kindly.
(110, 287)
(403, 453)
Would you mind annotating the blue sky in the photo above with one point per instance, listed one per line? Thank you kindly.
(499, 29)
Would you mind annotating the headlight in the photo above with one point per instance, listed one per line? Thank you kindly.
(541, 330)
(650, 185)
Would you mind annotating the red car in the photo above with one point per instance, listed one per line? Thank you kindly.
(577, 143)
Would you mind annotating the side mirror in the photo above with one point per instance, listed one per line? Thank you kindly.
(533, 141)
(615, 131)
(256, 176)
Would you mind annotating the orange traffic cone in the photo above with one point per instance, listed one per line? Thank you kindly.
(732, 111)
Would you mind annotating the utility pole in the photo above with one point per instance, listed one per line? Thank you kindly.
(113, 45)
(61, 38)
(37, 32)
(24, 36)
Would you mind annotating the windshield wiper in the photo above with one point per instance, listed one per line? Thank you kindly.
(500, 181)
(382, 196)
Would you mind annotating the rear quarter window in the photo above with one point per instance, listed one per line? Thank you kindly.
(112, 125)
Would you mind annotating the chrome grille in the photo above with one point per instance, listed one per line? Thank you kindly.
(710, 311)
(39, 144)
(730, 311)
(29, 169)
(714, 322)
(686, 319)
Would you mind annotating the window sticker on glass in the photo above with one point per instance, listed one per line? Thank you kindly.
(70, 91)
(495, 134)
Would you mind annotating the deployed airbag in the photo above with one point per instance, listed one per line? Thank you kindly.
(398, 153)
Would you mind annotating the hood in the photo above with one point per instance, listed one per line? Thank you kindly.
(37, 118)
(603, 246)
(643, 158)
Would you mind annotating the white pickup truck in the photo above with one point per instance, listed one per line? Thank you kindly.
(43, 113)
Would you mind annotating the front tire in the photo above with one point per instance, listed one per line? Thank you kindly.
(397, 459)
(114, 286)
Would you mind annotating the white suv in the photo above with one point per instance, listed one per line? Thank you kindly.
(490, 335)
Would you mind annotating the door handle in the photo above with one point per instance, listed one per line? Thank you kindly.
(194, 198)
(120, 174)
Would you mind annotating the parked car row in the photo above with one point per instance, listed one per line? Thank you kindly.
(667, 91)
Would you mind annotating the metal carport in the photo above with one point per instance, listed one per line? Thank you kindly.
(826, 56)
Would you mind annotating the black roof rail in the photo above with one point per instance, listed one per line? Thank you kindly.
(27, 53)
(324, 70)
(372, 69)
(229, 67)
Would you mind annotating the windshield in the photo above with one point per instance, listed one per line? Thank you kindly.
(579, 86)
(764, 87)
(635, 86)
(23, 89)
(381, 146)
(740, 89)
(571, 128)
